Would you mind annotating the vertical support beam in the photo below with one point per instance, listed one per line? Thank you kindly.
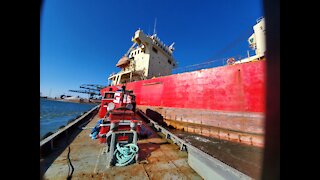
(111, 150)
(116, 80)
(119, 79)
(131, 76)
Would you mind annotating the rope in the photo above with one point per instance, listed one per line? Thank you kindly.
(125, 154)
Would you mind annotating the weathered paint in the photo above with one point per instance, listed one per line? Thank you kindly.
(239, 88)
(157, 160)
(202, 154)
(249, 122)
(226, 99)
(241, 127)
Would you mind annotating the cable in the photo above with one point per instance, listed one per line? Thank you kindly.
(69, 165)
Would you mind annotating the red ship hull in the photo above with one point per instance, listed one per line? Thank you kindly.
(226, 102)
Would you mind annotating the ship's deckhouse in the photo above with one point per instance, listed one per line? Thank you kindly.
(148, 57)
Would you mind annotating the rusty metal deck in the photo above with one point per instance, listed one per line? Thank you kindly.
(157, 160)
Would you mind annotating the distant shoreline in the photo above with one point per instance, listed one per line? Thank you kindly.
(79, 101)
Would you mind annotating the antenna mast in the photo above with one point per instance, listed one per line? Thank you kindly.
(155, 24)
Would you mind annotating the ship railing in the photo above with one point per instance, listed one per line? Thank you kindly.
(259, 19)
(204, 65)
(205, 165)
(50, 139)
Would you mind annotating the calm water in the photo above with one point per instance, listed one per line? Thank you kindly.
(54, 114)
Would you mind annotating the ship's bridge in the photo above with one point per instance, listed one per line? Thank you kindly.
(147, 57)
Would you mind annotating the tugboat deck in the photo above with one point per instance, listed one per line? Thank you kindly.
(158, 159)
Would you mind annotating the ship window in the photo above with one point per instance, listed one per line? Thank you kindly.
(169, 61)
(155, 50)
(108, 96)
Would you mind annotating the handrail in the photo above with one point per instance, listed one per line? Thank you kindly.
(216, 166)
(51, 137)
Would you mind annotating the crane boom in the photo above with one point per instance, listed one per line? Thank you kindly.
(85, 92)
(94, 89)
(99, 87)
(91, 89)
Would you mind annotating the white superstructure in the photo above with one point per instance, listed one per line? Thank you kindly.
(148, 57)
(257, 41)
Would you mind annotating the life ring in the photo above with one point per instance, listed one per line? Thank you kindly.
(231, 61)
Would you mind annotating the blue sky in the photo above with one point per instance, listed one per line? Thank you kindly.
(82, 40)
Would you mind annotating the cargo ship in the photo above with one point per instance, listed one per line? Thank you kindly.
(226, 102)
(204, 124)
(133, 146)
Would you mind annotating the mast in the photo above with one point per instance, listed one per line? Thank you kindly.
(155, 25)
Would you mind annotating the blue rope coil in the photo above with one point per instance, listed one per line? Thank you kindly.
(125, 154)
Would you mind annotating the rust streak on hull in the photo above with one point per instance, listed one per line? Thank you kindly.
(245, 128)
